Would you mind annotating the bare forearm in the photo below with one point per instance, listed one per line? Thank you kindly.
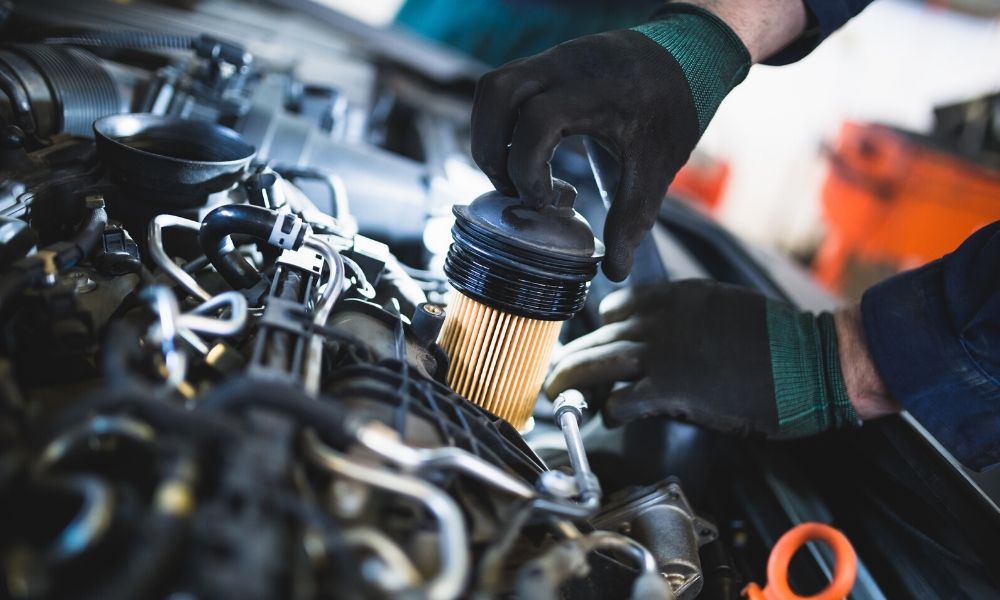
(865, 388)
(765, 26)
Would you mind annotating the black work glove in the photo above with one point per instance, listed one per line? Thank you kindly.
(714, 354)
(645, 94)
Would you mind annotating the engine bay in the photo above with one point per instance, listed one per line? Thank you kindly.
(223, 289)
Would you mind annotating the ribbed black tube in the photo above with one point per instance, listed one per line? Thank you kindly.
(503, 274)
(125, 39)
(20, 104)
(82, 89)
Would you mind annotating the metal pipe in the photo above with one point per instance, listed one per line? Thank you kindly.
(364, 287)
(194, 320)
(335, 280)
(165, 306)
(384, 442)
(162, 260)
(568, 409)
(92, 520)
(334, 284)
(100, 425)
(453, 543)
(386, 550)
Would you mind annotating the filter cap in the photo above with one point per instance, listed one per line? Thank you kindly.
(533, 262)
(554, 229)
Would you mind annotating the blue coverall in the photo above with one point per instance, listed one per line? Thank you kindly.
(934, 332)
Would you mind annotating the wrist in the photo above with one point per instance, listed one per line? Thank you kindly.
(865, 388)
(764, 26)
(809, 393)
(713, 58)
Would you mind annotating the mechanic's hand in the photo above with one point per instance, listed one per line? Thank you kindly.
(714, 354)
(645, 94)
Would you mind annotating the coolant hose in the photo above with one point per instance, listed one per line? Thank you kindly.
(283, 230)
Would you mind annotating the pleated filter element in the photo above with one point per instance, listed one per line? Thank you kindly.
(517, 271)
(497, 360)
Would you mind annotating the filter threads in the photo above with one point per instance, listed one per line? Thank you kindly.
(517, 272)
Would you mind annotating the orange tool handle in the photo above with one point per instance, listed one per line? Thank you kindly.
(845, 568)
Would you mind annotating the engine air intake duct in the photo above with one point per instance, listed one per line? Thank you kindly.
(53, 90)
(517, 273)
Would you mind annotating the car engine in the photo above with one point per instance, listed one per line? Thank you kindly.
(230, 236)
(221, 296)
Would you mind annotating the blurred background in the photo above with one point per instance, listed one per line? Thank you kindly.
(878, 152)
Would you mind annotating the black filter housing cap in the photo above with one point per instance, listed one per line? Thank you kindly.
(532, 262)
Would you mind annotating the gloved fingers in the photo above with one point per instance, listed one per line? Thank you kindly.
(618, 305)
(644, 399)
(541, 125)
(618, 410)
(645, 299)
(629, 330)
(639, 400)
(633, 213)
(617, 361)
(495, 107)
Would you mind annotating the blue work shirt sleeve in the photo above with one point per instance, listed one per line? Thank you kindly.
(934, 335)
(825, 17)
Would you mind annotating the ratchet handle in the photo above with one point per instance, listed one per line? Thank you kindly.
(844, 571)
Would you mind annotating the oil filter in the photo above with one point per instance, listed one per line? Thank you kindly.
(516, 273)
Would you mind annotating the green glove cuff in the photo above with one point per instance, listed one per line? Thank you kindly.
(712, 56)
(809, 389)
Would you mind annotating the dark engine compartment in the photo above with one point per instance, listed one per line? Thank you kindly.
(219, 375)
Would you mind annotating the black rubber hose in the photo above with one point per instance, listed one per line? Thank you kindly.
(328, 419)
(143, 570)
(126, 391)
(146, 276)
(87, 238)
(20, 103)
(68, 255)
(214, 238)
(162, 533)
(156, 412)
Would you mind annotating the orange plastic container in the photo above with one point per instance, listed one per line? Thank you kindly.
(890, 200)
